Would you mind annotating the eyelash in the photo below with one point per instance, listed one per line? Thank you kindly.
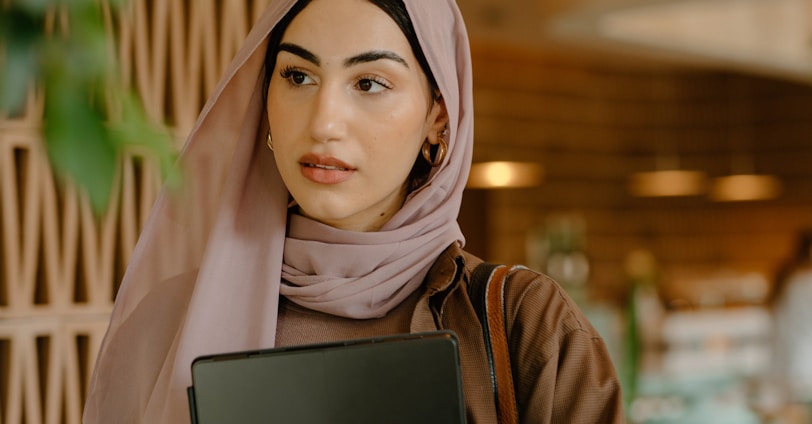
(377, 80)
(288, 72)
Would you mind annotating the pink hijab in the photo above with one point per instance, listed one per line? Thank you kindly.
(208, 270)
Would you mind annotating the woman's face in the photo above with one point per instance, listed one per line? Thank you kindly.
(349, 108)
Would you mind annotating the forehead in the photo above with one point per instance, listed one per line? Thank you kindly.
(342, 28)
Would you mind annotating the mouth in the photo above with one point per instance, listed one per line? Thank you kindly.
(325, 169)
(328, 163)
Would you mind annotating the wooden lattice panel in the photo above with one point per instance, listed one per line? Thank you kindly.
(59, 264)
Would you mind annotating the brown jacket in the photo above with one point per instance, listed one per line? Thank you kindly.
(562, 369)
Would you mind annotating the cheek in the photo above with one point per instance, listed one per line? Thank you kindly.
(408, 126)
(395, 153)
(278, 106)
(284, 125)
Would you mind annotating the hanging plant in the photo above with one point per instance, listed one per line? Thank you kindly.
(62, 49)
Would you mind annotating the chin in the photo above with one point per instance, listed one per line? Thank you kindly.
(323, 213)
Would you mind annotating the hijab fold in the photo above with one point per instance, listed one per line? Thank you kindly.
(212, 260)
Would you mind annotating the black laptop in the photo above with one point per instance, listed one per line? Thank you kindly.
(407, 378)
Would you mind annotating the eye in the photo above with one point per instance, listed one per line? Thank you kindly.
(372, 85)
(295, 76)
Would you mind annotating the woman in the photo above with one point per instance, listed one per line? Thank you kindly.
(792, 336)
(324, 178)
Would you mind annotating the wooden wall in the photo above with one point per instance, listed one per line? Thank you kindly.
(592, 121)
(59, 264)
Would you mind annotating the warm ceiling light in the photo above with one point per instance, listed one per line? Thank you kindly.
(744, 187)
(669, 183)
(505, 174)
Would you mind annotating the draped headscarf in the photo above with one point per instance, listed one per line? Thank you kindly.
(210, 265)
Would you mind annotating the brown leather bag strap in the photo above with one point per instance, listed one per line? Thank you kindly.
(487, 293)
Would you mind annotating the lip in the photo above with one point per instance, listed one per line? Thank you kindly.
(325, 169)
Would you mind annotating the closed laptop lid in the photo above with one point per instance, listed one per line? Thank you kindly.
(408, 378)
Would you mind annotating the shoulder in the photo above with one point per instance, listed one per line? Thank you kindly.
(536, 302)
(558, 358)
(533, 300)
(545, 327)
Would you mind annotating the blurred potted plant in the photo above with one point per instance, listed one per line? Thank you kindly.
(89, 118)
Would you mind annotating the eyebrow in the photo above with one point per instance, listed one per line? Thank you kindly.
(366, 57)
(373, 56)
(301, 52)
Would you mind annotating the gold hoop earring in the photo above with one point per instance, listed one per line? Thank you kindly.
(442, 148)
(270, 141)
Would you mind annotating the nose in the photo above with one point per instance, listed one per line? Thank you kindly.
(329, 116)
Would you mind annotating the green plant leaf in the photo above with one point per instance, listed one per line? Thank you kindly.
(134, 131)
(79, 144)
(89, 117)
(18, 71)
(38, 7)
(20, 39)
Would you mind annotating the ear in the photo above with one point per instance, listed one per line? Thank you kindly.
(437, 120)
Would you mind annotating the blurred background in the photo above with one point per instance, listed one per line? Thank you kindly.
(652, 156)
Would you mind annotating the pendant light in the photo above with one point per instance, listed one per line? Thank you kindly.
(668, 180)
(743, 183)
(504, 174)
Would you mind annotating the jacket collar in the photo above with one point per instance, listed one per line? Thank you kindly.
(443, 278)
